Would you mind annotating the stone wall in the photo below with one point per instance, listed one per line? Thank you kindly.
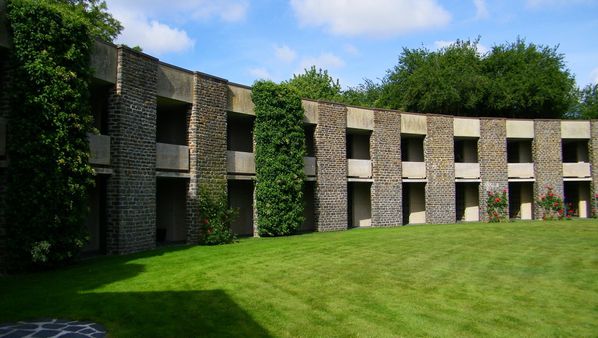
(331, 186)
(547, 155)
(131, 191)
(385, 151)
(440, 170)
(492, 156)
(207, 145)
(593, 148)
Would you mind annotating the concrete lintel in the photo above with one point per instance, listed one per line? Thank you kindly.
(522, 180)
(174, 83)
(172, 174)
(240, 177)
(468, 180)
(577, 179)
(239, 100)
(351, 179)
(414, 180)
(103, 171)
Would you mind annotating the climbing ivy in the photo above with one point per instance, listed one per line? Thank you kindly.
(279, 152)
(49, 173)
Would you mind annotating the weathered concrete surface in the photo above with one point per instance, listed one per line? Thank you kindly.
(175, 83)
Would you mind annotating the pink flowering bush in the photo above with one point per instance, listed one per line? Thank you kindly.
(497, 206)
(551, 204)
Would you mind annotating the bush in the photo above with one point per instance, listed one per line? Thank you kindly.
(49, 173)
(279, 152)
(216, 218)
(497, 206)
(551, 205)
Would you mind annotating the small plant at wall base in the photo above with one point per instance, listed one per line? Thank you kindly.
(215, 218)
(279, 152)
(497, 206)
(49, 173)
(551, 204)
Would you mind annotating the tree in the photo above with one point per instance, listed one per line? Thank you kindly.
(315, 84)
(587, 107)
(366, 94)
(447, 81)
(101, 24)
(528, 80)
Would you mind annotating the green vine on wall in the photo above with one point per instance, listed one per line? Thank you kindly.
(279, 152)
(49, 172)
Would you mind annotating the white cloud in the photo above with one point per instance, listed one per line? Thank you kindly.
(351, 50)
(439, 44)
(373, 18)
(544, 3)
(183, 10)
(153, 36)
(594, 75)
(260, 73)
(324, 61)
(481, 9)
(285, 53)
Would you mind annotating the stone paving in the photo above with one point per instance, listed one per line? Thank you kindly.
(47, 328)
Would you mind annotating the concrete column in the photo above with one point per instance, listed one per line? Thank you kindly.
(131, 190)
(331, 186)
(492, 155)
(527, 201)
(386, 169)
(472, 202)
(547, 155)
(584, 200)
(440, 170)
(207, 145)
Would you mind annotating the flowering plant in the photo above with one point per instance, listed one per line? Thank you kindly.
(497, 206)
(551, 204)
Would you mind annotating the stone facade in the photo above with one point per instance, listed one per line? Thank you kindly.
(130, 199)
(331, 186)
(207, 145)
(386, 169)
(492, 156)
(440, 170)
(547, 156)
(131, 191)
(593, 148)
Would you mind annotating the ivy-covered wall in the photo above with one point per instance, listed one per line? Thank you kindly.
(49, 172)
(279, 152)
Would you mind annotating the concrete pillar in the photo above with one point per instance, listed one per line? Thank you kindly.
(472, 202)
(131, 190)
(207, 145)
(330, 149)
(547, 155)
(386, 169)
(584, 199)
(440, 170)
(492, 155)
(527, 201)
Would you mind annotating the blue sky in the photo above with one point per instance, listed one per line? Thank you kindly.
(245, 40)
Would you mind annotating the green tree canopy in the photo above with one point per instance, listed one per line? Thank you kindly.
(315, 84)
(101, 24)
(527, 80)
(587, 107)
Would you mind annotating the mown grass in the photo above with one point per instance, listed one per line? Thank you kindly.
(515, 279)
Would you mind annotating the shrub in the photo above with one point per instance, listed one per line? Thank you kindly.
(551, 205)
(497, 206)
(49, 173)
(279, 152)
(215, 218)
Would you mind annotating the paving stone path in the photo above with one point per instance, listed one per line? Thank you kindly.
(47, 328)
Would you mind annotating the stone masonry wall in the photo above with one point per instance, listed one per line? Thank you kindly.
(492, 156)
(547, 155)
(593, 148)
(131, 191)
(207, 145)
(440, 170)
(331, 186)
(386, 169)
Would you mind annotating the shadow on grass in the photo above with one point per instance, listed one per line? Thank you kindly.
(68, 293)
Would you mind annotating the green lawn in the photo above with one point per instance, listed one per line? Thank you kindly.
(516, 279)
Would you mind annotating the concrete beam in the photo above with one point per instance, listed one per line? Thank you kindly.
(175, 83)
